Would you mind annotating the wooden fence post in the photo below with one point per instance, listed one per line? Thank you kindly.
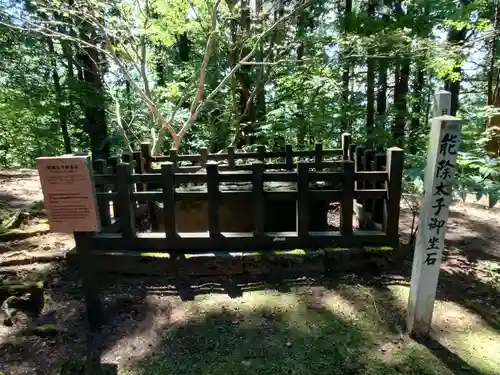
(395, 159)
(289, 157)
(346, 142)
(444, 142)
(174, 157)
(302, 199)
(230, 157)
(168, 178)
(147, 157)
(127, 157)
(124, 192)
(318, 156)
(358, 167)
(213, 195)
(358, 160)
(93, 305)
(138, 168)
(103, 204)
(261, 152)
(113, 162)
(352, 152)
(346, 203)
(203, 156)
(367, 166)
(258, 198)
(378, 204)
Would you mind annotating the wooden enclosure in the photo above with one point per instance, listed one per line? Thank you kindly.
(362, 181)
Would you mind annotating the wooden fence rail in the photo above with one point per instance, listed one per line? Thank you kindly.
(359, 181)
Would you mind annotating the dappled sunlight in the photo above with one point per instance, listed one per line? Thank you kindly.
(462, 331)
(337, 304)
(260, 334)
(400, 294)
(480, 348)
(250, 301)
(318, 331)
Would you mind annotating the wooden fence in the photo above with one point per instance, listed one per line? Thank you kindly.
(362, 180)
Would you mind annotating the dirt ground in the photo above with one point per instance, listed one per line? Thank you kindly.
(138, 313)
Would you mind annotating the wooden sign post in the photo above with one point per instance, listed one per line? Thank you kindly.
(70, 200)
(442, 153)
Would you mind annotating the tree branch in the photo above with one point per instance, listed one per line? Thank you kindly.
(238, 66)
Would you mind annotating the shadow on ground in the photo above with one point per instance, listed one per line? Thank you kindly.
(477, 239)
(347, 324)
(308, 331)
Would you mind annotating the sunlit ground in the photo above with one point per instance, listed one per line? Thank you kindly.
(350, 329)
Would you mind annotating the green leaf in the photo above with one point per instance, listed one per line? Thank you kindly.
(479, 195)
(493, 199)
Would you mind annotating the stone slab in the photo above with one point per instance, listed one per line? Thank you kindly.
(356, 259)
(218, 263)
(129, 263)
(284, 262)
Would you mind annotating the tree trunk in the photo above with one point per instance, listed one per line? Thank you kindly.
(300, 117)
(382, 73)
(370, 85)
(62, 111)
(491, 71)
(401, 78)
(260, 88)
(416, 109)
(400, 102)
(457, 38)
(382, 88)
(247, 109)
(346, 123)
(94, 102)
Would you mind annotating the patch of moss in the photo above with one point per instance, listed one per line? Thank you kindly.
(156, 255)
(299, 252)
(336, 249)
(371, 249)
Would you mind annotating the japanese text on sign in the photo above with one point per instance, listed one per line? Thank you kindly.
(68, 192)
(441, 195)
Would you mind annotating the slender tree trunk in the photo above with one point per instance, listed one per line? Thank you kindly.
(62, 111)
(232, 56)
(370, 98)
(247, 109)
(300, 115)
(370, 85)
(94, 103)
(456, 38)
(400, 101)
(493, 123)
(261, 89)
(491, 71)
(382, 88)
(401, 78)
(382, 74)
(346, 123)
(416, 109)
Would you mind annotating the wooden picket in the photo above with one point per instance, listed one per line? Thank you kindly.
(367, 187)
